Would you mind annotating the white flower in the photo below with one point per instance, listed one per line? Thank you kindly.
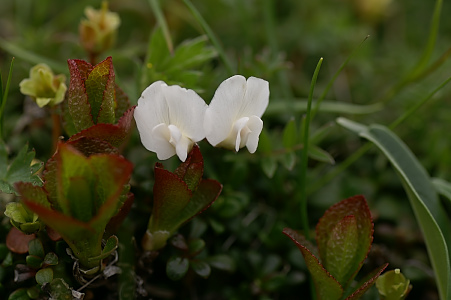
(170, 119)
(232, 120)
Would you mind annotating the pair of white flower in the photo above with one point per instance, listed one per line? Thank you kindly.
(171, 119)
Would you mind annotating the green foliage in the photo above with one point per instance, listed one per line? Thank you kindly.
(21, 168)
(178, 197)
(180, 67)
(423, 198)
(344, 235)
(393, 285)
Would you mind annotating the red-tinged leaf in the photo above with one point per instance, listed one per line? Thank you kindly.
(17, 241)
(100, 90)
(207, 192)
(122, 103)
(67, 121)
(72, 164)
(90, 145)
(170, 196)
(53, 234)
(327, 288)
(111, 133)
(192, 169)
(113, 172)
(32, 192)
(50, 183)
(341, 250)
(366, 283)
(116, 221)
(77, 97)
(354, 206)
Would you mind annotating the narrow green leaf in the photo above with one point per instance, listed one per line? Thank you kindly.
(4, 95)
(211, 36)
(316, 153)
(177, 267)
(366, 282)
(300, 105)
(442, 187)
(221, 262)
(422, 196)
(304, 154)
(289, 160)
(155, 5)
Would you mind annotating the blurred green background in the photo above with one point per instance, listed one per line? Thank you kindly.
(280, 41)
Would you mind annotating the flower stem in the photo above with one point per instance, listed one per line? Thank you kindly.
(304, 155)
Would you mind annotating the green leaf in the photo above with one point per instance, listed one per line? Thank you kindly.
(316, 153)
(35, 247)
(422, 196)
(60, 290)
(33, 292)
(269, 166)
(221, 262)
(300, 105)
(177, 267)
(200, 267)
(100, 90)
(111, 245)
(442, 187)
(289, 137)
(196, 246)
(342, 248)
(327, 288)
(34, 261)
(366, 282)
(44, 276)
(351, 250)
(20, 169)
(20, 294)
(51, 259)
(265, 143)
(289, 160)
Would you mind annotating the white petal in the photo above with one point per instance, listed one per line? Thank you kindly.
(255, 126)
(181, 143)
(256, 98)
(186, 111)
(161, 145)
(151, 111)
(224, 109)
(240, 132)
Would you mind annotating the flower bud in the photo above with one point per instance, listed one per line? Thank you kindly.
(43, 86)
(98, 31)
(393, 285)
(23, 219)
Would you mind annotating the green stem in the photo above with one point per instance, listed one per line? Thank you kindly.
(211, 36)
(304, 155)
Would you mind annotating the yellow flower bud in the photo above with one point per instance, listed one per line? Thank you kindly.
(43, 86)
(98, 31)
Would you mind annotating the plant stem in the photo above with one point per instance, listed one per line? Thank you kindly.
(155, 5)
(304, 156)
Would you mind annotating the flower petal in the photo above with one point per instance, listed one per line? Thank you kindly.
(151, 111)
(186, 111)
(256, 98)
(161, 136)
(224, 109)
(255, 125)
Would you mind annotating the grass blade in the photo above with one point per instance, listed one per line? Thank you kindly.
(4, 95)
(423, 198)
(155, 5)
(211, 36)
(304, 156)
